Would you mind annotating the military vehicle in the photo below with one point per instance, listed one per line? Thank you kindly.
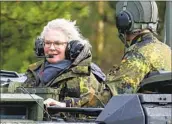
(152, 104)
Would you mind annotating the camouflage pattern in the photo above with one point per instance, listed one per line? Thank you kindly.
(78, 86)
(146, 55)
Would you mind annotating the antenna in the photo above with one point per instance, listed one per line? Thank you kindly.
(25, 91)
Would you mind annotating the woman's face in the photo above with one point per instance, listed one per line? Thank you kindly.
(55, 44)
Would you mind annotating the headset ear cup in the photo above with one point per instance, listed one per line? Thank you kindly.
(124, 21)
(73, 49)
(39, 47)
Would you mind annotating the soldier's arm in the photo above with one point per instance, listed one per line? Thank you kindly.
(132, 70)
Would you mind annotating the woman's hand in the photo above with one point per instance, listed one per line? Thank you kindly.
(52, 102)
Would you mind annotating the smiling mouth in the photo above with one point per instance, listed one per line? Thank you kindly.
(53, 54)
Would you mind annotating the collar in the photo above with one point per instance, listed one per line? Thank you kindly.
(142, 37)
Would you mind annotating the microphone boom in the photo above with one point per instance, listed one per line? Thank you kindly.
(46, 56)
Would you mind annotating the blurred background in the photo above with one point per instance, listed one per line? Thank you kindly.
(22, 21)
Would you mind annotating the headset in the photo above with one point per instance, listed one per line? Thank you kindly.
(39, 47)
(124, 21)
(73, 49)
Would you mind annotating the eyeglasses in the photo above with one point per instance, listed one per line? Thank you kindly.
(55, 44)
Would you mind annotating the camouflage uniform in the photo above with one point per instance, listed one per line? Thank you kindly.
(145, 55)
(78, 86)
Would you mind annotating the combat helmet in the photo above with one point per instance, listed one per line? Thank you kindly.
(136, 15)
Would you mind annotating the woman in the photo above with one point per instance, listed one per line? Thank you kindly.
(68, 66)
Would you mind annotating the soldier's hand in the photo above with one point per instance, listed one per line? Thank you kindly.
(52, 102)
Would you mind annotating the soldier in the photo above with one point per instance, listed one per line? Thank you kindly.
(67, 65)
(137, 23)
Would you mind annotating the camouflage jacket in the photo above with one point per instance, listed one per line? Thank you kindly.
(145, 55)
(78, 86)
